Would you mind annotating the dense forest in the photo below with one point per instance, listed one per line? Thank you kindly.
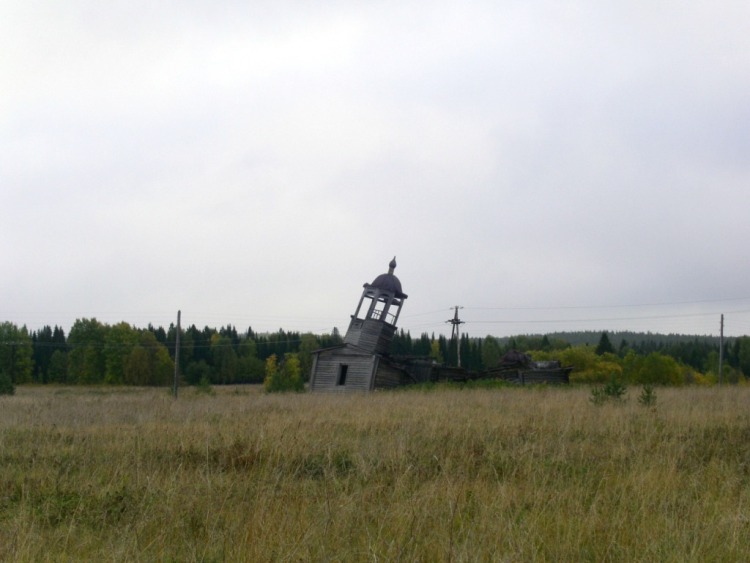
(95, 352)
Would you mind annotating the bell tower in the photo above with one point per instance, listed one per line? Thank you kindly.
(373, 324)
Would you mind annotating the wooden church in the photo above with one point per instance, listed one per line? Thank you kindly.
(362, 362)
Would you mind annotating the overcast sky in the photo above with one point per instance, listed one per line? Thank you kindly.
(546, 165)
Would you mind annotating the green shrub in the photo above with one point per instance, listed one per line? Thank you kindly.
(6, 384)
(204, 386)
(614, 390)
(647, 397)
(597, 395)
(653, 369)
(286, 377)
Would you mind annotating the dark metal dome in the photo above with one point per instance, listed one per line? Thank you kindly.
(389, 282)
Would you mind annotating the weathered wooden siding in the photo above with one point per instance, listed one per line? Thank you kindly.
(387, 376)
(530, 376)
(328, 364)
(370, 334)
(446, 373)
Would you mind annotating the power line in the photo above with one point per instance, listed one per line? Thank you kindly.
(601, 319)
(629, 306)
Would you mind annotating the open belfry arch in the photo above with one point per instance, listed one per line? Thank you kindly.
(362, 362)
(373, 324)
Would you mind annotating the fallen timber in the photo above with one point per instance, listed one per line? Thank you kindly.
(533, 374)
(514, 367)
(517, 367)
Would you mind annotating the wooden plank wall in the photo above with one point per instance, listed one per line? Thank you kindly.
(328, 366)
(371, 335)
(387, 376)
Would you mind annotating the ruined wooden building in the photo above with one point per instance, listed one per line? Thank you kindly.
(362, 362)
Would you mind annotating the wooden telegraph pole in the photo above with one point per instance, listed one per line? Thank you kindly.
(456, 332)
(177, 355)
(721, 351)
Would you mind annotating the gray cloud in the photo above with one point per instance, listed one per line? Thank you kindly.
(255, 164)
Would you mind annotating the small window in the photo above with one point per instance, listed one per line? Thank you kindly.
(341, 380)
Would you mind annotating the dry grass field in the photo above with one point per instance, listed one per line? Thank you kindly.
(445, 475)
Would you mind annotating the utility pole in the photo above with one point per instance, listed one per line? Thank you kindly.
(456, 332)
(177, 355)
(721, 351)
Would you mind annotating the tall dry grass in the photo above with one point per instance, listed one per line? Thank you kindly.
(473, 475)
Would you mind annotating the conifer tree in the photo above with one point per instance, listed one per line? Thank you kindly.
(604, 346)
(6, 384)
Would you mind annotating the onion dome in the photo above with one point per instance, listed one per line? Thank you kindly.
(389, 282)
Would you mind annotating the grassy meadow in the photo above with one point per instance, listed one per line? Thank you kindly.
(514, 474)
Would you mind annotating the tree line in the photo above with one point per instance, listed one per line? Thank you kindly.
(595, 356)
(94, 352)
(121, 354)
